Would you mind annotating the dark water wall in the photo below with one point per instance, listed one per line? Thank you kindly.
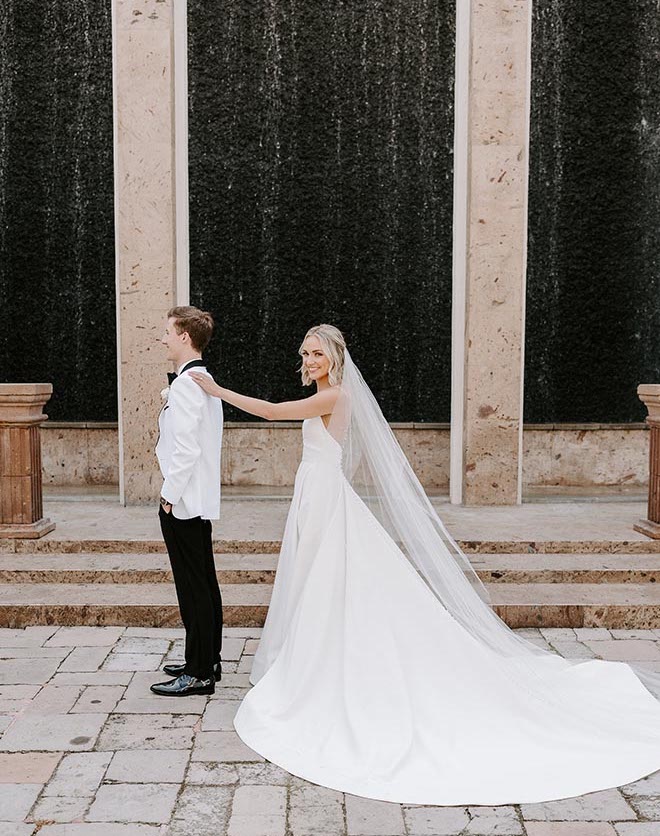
(320, 156)
(321, 190)
(593, 321)
(56, 203)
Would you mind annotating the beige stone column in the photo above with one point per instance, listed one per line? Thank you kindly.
(145, 228)
(21, 498)
(492, 154)
(649, 394)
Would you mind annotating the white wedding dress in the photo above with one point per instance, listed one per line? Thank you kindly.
(365, 683)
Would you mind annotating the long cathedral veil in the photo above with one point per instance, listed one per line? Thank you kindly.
(379, 472)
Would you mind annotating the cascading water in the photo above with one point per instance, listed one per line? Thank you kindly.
(593, 280)
(321, 189)
(57, 292)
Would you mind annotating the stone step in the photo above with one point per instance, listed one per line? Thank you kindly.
(567, 568)
(54, 545)
(126, 568)
(626, 606)
(618, 606)
(237, 568)
(132, 604)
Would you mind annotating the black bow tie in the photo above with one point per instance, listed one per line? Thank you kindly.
(173, 375)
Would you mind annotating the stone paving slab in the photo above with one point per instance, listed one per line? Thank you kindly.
(27, 671)
(27, 637)
(16, 800)
(53, 733)
(93, 753)
(201, 810)
(27, 768)
(141, 766)
(100, 829)
(85, 637)
(315, 811)
(79, 773)
(96, 698)
(59, 808)
(608, 804)
(35, 652)
(13, 828)
(153, 731)
(570, 829)
(435, 821)
(92, 678)
(84, 659)
(140, 803)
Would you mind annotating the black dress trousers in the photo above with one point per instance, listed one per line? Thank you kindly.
(190, 548)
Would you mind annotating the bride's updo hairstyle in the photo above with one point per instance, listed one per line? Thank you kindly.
(333, 345)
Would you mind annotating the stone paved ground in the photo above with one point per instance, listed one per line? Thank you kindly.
(248, 518)
(87, 751)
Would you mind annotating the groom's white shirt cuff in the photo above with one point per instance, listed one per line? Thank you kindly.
(185, 402)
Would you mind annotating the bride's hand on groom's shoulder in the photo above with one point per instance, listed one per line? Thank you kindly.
(206, 383)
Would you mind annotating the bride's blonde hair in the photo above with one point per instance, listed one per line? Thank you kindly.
(333, 344)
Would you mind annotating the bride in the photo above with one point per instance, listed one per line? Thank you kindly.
(382, 670)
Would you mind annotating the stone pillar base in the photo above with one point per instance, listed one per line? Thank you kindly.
(30, 531)
(649, 394)
(21, 501)
(651, 529)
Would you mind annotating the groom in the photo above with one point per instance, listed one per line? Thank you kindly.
(188, 452)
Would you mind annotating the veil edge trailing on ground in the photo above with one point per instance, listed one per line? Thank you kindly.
(377, 469)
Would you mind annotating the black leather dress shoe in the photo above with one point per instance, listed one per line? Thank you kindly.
(184, 686)
(177, 670)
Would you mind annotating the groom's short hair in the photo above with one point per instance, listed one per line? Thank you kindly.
(198, 324)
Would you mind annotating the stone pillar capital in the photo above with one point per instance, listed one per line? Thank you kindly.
(22, 403)
(649, 394)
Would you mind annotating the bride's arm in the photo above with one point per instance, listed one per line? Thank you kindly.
(322, 403)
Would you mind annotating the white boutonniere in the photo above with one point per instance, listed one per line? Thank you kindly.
(164, 394)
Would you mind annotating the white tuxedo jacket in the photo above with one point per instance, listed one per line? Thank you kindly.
(188, 449)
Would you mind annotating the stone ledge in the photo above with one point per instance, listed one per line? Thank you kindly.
(403, 425)
(268, 453)
(568, 427)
